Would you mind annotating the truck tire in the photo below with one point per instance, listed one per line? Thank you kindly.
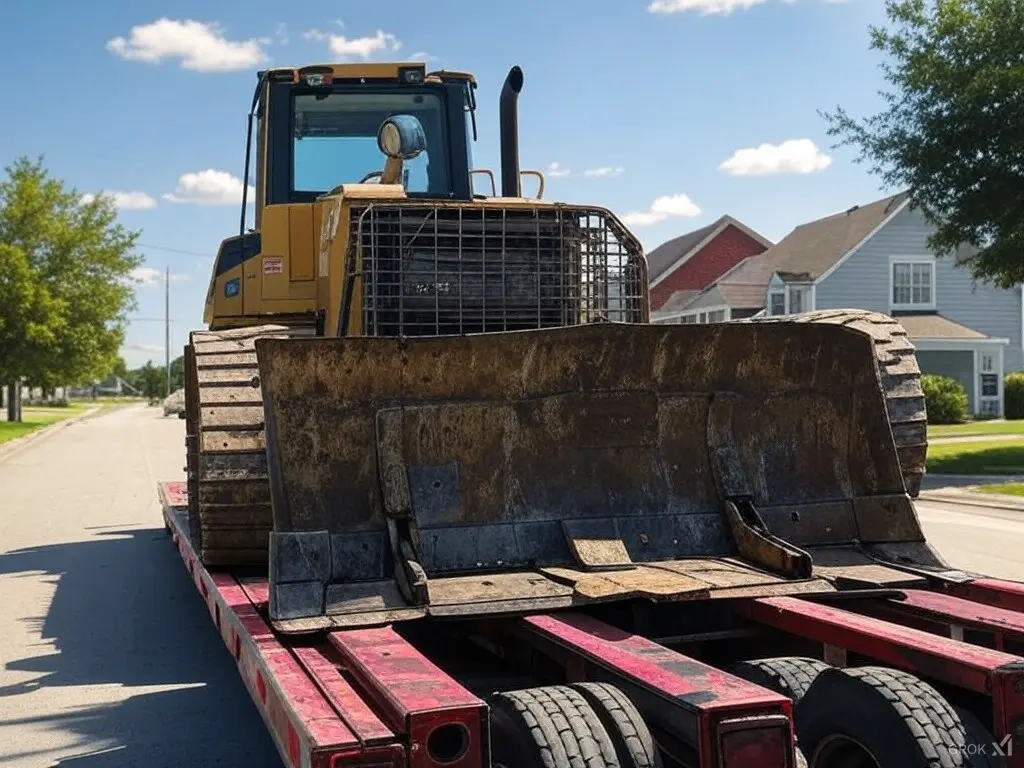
(633, 742)
(549, 727)
(980, 742)
(851, 717)
(790, 676)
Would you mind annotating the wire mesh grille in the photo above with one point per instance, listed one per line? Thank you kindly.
(442, 270)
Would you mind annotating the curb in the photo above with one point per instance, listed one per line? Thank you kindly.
(991, 500)
(13, 446)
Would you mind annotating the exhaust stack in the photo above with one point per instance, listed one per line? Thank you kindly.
(508, 105)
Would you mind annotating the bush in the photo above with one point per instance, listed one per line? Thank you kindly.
(1013, 396)
(945, 399)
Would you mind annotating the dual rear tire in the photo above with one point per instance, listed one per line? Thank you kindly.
(872, 717)
(585, 725)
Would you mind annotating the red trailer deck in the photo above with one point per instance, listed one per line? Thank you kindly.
(385, 696)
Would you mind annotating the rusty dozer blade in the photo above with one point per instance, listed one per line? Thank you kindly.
(507, 472)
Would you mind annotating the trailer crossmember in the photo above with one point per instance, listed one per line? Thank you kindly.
(702, 714)
(417, 698)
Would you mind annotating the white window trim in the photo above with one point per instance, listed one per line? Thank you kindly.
(893, 261)
(676, 317)
(809, 295)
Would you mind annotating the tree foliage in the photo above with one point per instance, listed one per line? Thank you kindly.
(950, 132)
(65, 278)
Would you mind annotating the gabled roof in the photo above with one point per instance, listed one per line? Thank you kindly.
(810, 250)
(675, 252)
(935, 326)
(805, 254)
(678, 300)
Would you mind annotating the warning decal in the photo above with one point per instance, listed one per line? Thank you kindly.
(273, 265)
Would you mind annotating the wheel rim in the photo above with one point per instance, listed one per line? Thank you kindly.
(840, 751)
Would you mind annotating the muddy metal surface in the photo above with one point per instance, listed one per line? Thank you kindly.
(108, 657)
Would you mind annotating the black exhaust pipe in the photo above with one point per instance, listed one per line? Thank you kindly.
(508, 106)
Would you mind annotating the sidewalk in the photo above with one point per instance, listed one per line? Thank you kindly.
(963, 489)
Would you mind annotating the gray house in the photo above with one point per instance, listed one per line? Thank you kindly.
(876, 257)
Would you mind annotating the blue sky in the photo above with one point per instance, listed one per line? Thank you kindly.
(657, 99)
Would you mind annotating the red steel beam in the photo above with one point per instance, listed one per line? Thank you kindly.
(304, 725)
(677, 694)
(413, 694)
(978, 669)
(955, 614)
(995, 592)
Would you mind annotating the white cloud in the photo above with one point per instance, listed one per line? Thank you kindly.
(355, 47)
(198, 46)
(664, 207)
(143, 276)
(793, 156)
(703, 7)
(145, 347)
(209, 187)
(126, 201)
(281, 33)
(556, 171)
(617, 170)
(423, 56)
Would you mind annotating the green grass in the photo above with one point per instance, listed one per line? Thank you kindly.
(995, 457)
(975, 428)
(36, 418)
(1006, 489)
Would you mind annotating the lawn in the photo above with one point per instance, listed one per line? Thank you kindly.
(1005, 489)
(975, 428)
(37, 418)
(984, 457)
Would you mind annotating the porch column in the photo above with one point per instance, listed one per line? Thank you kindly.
(976, 408)
(999, 381)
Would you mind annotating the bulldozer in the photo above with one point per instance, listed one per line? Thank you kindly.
(415, 399)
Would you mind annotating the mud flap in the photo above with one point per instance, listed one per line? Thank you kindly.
(537, 469)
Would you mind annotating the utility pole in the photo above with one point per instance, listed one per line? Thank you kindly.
(167, 331)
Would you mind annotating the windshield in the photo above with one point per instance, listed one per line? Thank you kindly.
(335, 140)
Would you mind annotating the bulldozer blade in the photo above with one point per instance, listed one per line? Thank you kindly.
(527, 470)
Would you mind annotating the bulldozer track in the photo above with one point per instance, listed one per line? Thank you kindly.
(900, 378)
(228, 488)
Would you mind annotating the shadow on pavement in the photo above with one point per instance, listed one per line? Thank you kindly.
(125, 613)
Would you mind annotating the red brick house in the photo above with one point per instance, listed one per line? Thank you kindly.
(690, 263)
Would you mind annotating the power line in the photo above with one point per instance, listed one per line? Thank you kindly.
(174, 250)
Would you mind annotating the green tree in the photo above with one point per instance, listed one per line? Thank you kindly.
(76, 260)
(950, 130)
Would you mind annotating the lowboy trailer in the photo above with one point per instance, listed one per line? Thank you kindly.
(863, 677)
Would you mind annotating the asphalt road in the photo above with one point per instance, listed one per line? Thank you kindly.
(108, 657)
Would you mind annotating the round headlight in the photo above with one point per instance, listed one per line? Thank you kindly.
(401, 137)
(390, 139)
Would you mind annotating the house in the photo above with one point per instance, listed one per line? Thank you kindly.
(685, 265)
(876, 257)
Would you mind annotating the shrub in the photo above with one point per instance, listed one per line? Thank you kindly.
(1013, 396)
(945, 398)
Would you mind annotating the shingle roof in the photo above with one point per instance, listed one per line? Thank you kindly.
(678, 300)
(804, 254)
(935, 326)
(811, 249)
(668, 253)
(745, 286)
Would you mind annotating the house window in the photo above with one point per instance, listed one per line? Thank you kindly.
(797, 300)
(988, 363)
(912, 284)
(776, 303)
(718, 316)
